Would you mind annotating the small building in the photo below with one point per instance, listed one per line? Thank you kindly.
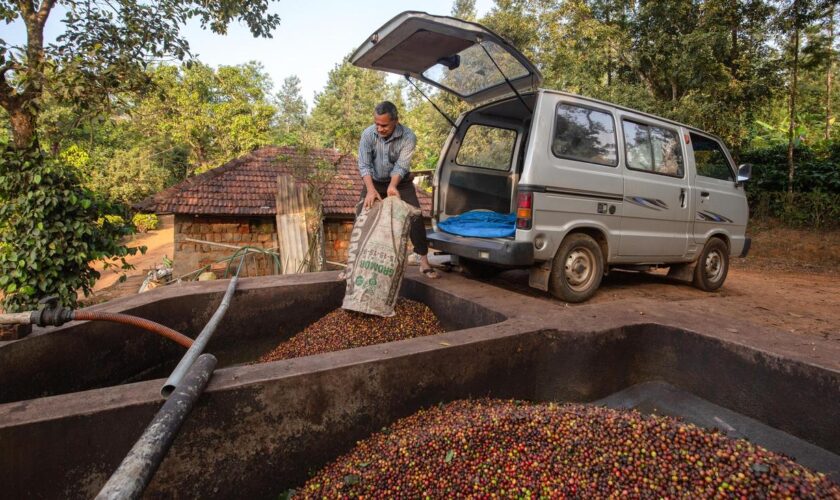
(234, 205)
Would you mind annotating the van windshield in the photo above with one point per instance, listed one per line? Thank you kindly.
(471, 71)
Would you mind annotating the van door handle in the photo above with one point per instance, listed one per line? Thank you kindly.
(704, 194)
(682, 197)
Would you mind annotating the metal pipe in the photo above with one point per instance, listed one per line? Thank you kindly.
(201, 341)
(24, 318)
(139, 466)
(126, 319)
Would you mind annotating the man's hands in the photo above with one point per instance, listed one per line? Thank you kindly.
(392, 187)
(371, 197)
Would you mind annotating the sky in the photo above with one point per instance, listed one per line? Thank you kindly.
(312, 38)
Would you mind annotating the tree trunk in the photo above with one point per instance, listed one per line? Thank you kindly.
(21, 104)
(609, 53)
(828, 73)
(794, 74)
(23, 127)
(733, 33)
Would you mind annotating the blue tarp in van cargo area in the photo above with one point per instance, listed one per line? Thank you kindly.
(481, 224)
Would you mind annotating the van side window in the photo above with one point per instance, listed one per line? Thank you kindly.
(487, 147)
(710, 159)
(653, 149)
(584, 134)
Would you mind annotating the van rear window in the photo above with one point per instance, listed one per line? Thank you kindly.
(653, 149)
(584, 134)
(487, 147)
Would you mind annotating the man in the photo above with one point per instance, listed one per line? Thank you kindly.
(385, 152)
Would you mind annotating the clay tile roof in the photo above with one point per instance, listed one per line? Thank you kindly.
(247, 185)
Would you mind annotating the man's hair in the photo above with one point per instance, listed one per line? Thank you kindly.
(387, 108)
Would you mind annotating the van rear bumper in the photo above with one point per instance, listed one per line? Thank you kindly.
(501, 252)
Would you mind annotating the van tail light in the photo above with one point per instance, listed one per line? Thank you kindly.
(524, 210)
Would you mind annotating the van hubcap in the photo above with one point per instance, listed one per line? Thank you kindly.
(580, 265)
(713, 266)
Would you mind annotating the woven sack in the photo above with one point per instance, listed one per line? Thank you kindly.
(376, 257)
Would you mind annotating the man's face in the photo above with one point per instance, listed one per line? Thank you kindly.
(384, 124)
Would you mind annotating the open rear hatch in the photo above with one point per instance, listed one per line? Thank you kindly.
(476, 65)
(456, 56)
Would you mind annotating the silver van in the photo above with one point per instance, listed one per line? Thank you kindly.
(594, 186)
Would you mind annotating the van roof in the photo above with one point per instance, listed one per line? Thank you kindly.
(631, 110)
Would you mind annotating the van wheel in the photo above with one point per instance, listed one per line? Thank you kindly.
(476, 269)
(712, 266)
(577, 269)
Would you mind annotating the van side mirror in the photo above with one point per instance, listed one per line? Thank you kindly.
(744, 172)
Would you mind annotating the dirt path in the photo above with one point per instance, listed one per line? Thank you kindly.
(802, 304)
(158, 243)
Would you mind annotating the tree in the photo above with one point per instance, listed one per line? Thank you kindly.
(828, 72)
(345, 107)
(464, 9)
(52, 228)
(105, 48)
(197, 118)
(794, 18)
(291, 108)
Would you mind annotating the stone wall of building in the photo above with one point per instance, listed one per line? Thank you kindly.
(241, 231)
(337, 234)
(213, 232)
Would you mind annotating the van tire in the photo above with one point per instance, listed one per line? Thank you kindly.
(712, 266)
(577, 269)
(477, 269)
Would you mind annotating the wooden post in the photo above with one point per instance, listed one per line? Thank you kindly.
(294, 232)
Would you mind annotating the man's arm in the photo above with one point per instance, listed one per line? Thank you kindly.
(403, 165)
(366, 169)
(366, 154)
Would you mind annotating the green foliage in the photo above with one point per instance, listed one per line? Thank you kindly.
(197, 118)
(291, 111)
(217, 115)
(128, 176)
(104, 50)
(815, 201)
(818, 169)
(815, 209)
(345, 107)
(114, 220)
(145, 222)
(51, 231)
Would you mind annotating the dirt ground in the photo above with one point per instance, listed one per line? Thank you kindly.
(790, 281)
(159, 244)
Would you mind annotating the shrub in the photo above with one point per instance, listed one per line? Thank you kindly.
(145, 222)
(51, 231)
(816, 169)
(816, 209)
(815, 201)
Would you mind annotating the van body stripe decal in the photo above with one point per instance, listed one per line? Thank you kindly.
(712, 217)
(649, 203)
(569, 192)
